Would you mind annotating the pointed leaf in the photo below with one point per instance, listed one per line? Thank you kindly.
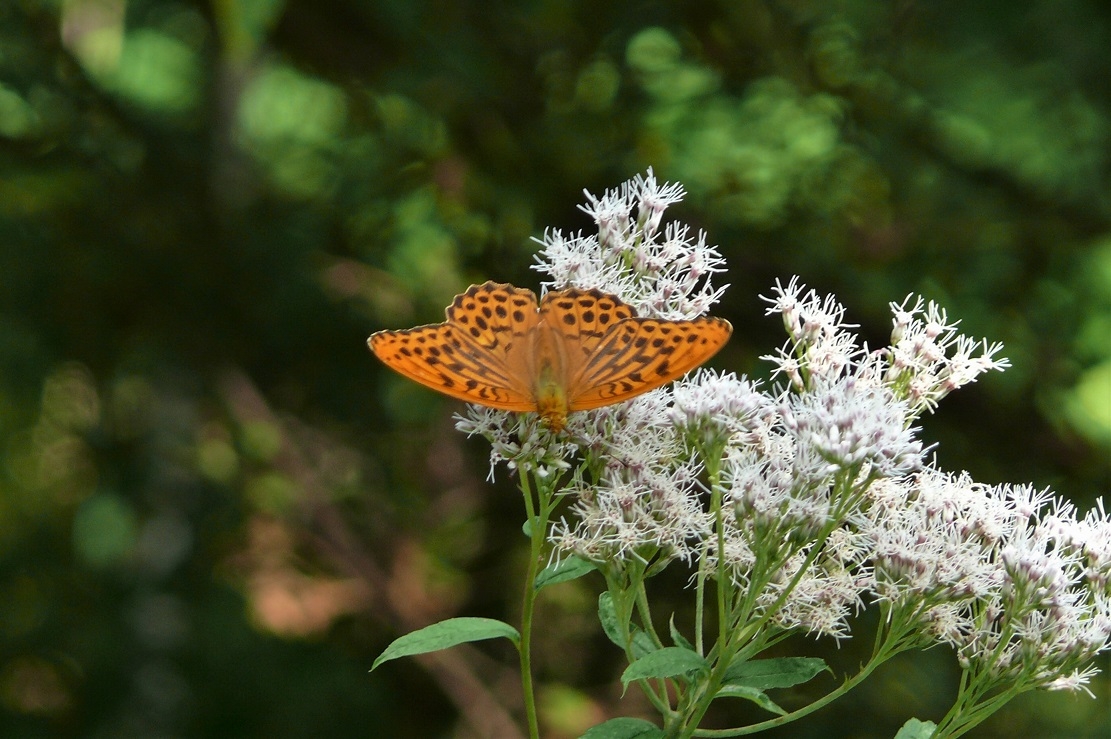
(624, 728)
(676, 637)
(566, 569)
(666, 662)
(447, 634)
(758, 697)
(915, 729)
(642, 643)
(773, 673)
(607, 616)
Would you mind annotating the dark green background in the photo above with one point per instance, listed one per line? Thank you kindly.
(216, 508)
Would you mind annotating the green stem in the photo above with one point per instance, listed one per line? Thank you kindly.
(795, 715)
(700, 604)
(644, 611)
(971, 707)
(725, 583)
(894, 643)
(538, 519)
(700, 700)
(848, 499)
(659, 696)
(980, 712)
(727, 648)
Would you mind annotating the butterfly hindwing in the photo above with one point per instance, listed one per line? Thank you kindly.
(640, 354)
(582, 318)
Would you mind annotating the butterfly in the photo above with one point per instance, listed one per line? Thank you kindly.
(574, 350)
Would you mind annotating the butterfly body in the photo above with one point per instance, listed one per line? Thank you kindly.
(550, 388)
(573, 350)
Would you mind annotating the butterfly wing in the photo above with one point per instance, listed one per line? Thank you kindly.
(640, 354)
(610, 354)
(582, 318)
(476, 354)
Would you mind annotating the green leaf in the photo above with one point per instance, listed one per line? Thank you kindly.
(758, 697)
(566, 569)
(624, 728)
(607, 616)
(526, 527)
(676, 637)
(642, 643)
(915, 729)
(773, 673)
(447, 634)
(666, 662)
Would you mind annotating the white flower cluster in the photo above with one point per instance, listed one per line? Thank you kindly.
(640, 495)
(663, 275)
(1008, 576)
(818, 342)
(928, 359)
(829, 499)
(710, 410)
(519, 440)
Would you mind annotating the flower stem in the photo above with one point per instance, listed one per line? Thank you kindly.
(537, 518)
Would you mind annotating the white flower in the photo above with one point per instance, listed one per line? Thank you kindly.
(653, 199)
(949, 622)
(1093, 538)
(820, 602)
(851, 424)
(921, 368)
(627, 437)
(1074, 681)
(627, 516)
(819, 344)
(779, 492)
(926, 361)
(518, 439)
(708, 409)
(578, 260)
(999, 572)
(637, 490)
(815, 480)
(920, 553)
(612, 211)
(662, 274)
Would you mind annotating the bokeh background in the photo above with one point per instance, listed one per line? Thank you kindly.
(216, 508)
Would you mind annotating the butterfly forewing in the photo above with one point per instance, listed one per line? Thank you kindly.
(640, 354)
(477, 354)
(494, 315)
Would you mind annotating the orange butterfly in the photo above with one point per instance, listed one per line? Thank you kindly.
(575, 350)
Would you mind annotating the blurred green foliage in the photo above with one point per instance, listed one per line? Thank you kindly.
(216, 509)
